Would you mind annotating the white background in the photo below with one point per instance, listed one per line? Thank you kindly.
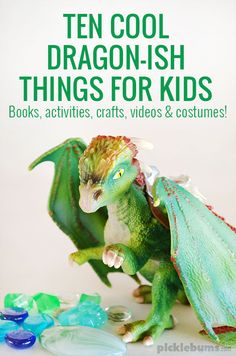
(34, 252)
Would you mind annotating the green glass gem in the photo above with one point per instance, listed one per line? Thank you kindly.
(95, 298)
(19, 300)
(46, 303)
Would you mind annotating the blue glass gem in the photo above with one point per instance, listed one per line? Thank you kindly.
(84, 314)
(20, 339)
(5, 327)
(14, 314)
(37, 323)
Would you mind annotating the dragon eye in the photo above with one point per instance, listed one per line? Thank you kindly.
(119, 173)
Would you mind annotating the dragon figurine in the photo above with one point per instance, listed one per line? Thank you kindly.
(119, 221)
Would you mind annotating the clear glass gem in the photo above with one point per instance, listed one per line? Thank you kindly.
(81, 340)
(118, 313)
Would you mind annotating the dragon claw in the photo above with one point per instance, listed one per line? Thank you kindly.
(128, 337)
(143, 331)
(118, 262)
(111, 258)
(121, 330)
(148, 341)
(139, 300)
(143, 294)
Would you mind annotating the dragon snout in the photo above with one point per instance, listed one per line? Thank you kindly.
(89, 197)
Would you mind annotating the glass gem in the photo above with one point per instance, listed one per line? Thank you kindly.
(63, 308)
(67, 301)
(80, 340)
(18, 300)
(5, 327)
(86, 314)
(14, 314)
(46, 303)
(68, 298)
(118, 313)
(37, 323)
(96, 298)
(20, 339)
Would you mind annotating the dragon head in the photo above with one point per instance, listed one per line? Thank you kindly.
(107, 169)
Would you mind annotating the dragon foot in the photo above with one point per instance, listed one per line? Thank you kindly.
(112, 257)
(119, 255)
(145, 331)
(143, 294)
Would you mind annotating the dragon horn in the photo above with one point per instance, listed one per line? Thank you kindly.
(146, 169)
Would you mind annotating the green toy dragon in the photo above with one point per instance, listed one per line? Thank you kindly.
(118, 221)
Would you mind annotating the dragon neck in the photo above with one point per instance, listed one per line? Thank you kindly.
(121, 208)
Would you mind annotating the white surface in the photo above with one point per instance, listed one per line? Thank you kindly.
(33, 250)
(183, 335)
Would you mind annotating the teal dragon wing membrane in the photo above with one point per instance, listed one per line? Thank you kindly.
(85, 230)
(203, 251)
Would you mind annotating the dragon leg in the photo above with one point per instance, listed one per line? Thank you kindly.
(112, 255)
(164, 293)
(143, 295)
(87, 254)
(182, 298)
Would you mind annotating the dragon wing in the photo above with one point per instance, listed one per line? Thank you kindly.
(203, 251)
(85, 230)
